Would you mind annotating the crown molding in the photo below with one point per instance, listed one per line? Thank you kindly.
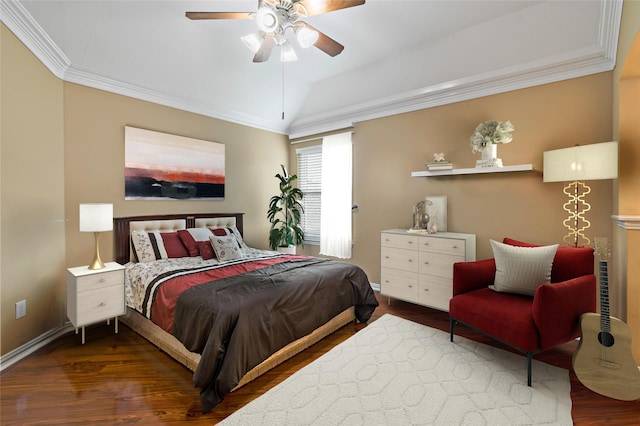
(600, 57)
(597, 58)
(627, 222)
(20, 22)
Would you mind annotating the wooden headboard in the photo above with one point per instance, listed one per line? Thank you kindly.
(164, 223)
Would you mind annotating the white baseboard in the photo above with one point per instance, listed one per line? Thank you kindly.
(31, 346)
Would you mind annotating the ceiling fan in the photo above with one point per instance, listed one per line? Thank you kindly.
(276, 17)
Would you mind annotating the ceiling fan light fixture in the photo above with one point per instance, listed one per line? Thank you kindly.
(252, 41)
(288, 53)
(267, 19)
(306, 37)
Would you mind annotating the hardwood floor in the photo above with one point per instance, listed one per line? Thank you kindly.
(122, 378)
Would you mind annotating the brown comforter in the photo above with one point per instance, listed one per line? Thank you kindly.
(236, 322)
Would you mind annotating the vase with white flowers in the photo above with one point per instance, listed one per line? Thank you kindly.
(485, 139)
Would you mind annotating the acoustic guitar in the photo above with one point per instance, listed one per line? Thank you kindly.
(603, 361)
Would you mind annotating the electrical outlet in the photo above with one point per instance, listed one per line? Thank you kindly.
(21, 309)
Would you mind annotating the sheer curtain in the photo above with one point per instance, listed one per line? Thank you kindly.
(335, 216)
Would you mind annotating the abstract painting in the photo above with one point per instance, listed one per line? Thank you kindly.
(159, 166)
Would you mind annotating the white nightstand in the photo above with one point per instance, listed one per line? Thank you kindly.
(95, 295)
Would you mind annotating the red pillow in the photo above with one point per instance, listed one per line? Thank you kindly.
(568, 263)
(206, 250)
(191, 236)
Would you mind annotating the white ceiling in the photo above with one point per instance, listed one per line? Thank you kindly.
(400, 55)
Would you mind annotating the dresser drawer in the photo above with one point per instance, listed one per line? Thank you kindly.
(437, 264)
(399, 259)
(409, 242)
(443, 245)
(400, 284)
(97, 281)
(100, 303)
(435, 292)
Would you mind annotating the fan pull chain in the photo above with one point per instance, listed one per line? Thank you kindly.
(282, 84)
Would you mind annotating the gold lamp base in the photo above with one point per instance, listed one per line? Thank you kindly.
(576, 207)
(97, 262)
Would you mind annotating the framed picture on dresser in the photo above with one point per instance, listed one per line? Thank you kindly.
(436, 207)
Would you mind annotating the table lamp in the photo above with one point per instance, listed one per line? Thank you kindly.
(96, 218)
(575, 165)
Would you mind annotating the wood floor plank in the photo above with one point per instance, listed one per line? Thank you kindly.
(117, 379)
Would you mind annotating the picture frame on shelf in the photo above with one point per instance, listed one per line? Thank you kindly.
(436, 207)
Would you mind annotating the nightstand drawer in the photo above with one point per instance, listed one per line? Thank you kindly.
(98, 304)
(98, 281)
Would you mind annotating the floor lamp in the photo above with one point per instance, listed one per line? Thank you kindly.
(575, 165)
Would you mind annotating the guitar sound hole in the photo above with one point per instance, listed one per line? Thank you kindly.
(605, 339)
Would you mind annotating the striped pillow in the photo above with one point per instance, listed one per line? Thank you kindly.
(522, 270)
(150, 246)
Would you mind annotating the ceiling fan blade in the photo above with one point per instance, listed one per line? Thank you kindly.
(220, 15)
(317, 7)
(326, 43)
(262, 55)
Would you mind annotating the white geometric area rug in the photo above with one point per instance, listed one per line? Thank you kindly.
(398, 372)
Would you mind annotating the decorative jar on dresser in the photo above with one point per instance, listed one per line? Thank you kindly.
(95, 295)
(418, 267)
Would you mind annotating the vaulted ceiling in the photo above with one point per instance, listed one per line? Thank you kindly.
(399, 56)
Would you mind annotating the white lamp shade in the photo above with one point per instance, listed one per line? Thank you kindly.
(306, 36)
(585, 162)
(267, 19)
(253, 41)
(96, 217)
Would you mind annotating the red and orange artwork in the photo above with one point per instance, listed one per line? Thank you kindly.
(163, 166)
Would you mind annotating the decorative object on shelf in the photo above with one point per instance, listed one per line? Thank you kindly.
(439, 163)
(284, 213)
(436, 207)
(96, 218)
(485, 139)
(420, 217)
(573, 165)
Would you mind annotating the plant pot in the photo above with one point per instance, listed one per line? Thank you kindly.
(287, 249)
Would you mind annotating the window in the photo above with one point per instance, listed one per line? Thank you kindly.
(310, 183)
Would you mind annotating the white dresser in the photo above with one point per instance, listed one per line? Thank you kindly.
(418, 267)
(95, 295)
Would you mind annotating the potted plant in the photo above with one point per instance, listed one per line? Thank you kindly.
(284, 215)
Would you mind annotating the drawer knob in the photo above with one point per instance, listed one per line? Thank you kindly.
(410, 260)
(455, 247)
(426, 262)
(102, 304)
(410, 242)
(426, 289)
(386, 257)
(101, 280)
(410, 286)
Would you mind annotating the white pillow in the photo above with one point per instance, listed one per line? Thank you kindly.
(226, 247)
(522, 270)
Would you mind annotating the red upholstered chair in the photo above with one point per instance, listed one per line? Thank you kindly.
(529, 324)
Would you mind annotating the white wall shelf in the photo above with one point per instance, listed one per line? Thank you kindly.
(474, 171)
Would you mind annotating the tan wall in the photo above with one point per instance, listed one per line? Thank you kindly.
(625, 112)
(62, 145)
(518, 205)
(94, 164)
(32, 195)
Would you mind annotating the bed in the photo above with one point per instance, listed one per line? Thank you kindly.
(253, 308)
